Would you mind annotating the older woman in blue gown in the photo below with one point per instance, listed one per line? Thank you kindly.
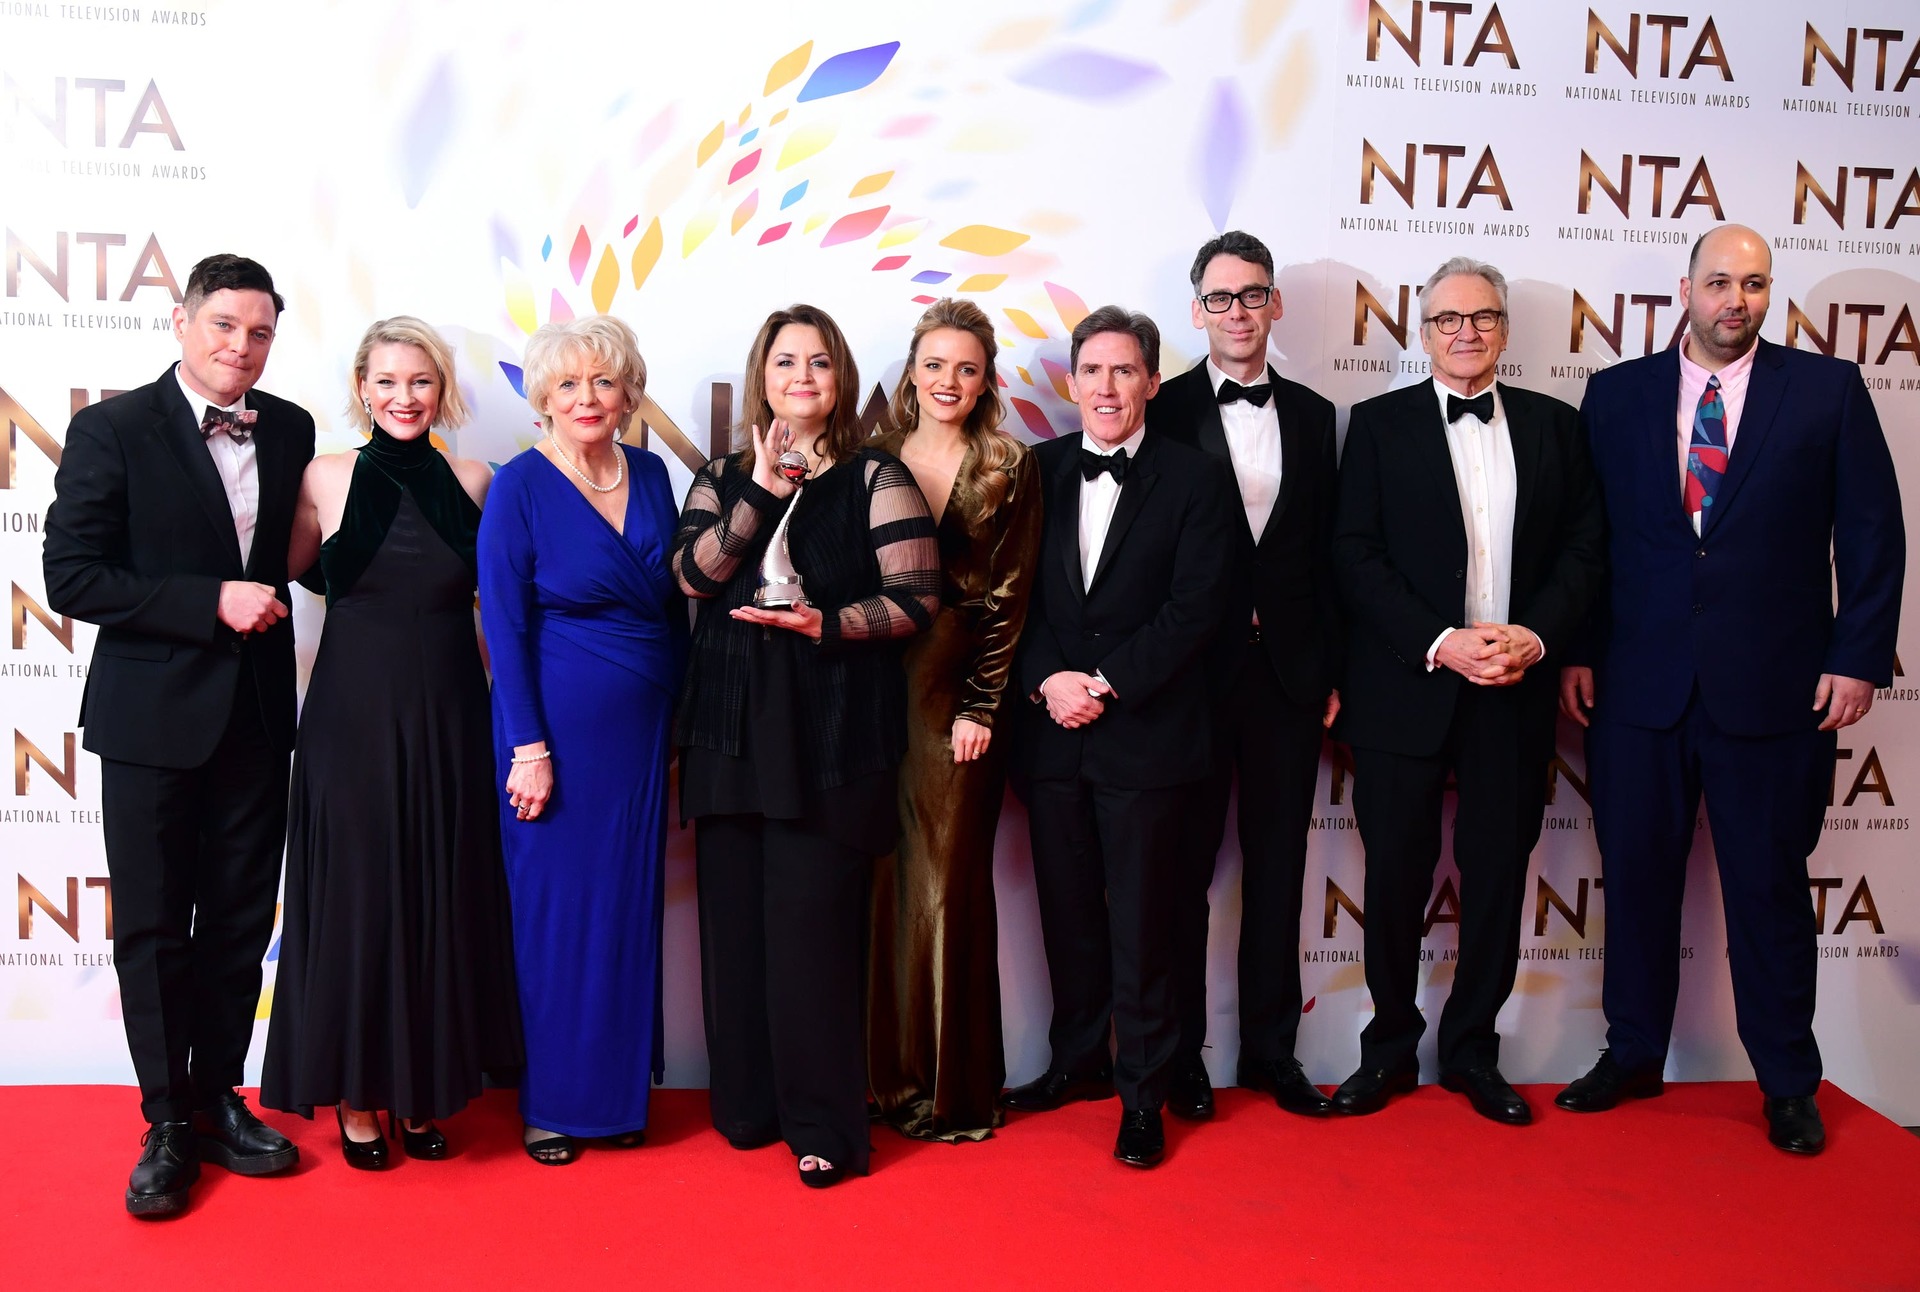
(586, 634)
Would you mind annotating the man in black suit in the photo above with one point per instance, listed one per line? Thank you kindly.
(1468, 547)
(169, 526)
(1133, 579)
(1272, 664)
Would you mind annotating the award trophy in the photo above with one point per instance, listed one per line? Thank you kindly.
(780, 586)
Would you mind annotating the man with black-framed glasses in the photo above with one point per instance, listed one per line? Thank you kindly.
(1468, 547)
(1272, 668)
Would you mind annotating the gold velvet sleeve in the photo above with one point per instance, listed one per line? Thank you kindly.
(1002, 605)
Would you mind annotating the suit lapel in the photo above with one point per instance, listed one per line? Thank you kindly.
(1525, 438)
(1063, 504)
(173, 423)
(1427, 435)
(1658, 416)
(1126, 509)
(270, 461)
(1293, 458)
(1766, 388)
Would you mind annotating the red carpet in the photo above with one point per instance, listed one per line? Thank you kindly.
(1677, 1192)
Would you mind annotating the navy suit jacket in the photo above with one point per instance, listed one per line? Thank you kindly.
(1745, 611)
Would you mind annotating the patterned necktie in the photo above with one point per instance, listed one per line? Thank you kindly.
(1707, 454)
(238, 426)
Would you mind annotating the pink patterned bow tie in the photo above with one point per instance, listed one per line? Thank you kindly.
(237, 425)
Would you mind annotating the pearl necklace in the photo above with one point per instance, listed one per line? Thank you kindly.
(619, 466)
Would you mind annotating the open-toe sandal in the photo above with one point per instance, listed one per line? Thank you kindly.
(823, 1174)
(554, 1150)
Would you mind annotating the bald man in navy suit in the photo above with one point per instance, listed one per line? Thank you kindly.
(1757, 552)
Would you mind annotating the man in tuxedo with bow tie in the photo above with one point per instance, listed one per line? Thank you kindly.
(1134, 567)
(1467, 542)
(1273, 666)
(172, 508)
(1757, 556)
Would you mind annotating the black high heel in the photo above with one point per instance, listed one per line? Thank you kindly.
(427, 1145)
(363, 1154)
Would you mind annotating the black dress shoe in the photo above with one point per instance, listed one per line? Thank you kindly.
(169, 1164)
(1051, 1090)
(1190, 1090)
(231, 1136)
(1143, 1140)
(426, 1145)
(1287, 1082)
(1490, 1094)
(362, 1154)
(1607, 1084)
(1367, 1089)
(1793, 1124)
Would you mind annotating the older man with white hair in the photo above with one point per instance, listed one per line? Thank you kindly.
(1467, 546)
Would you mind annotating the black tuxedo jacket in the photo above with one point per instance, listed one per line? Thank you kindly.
(1156, 601)
(1287, 574)
(1400, 554)
(139, 539)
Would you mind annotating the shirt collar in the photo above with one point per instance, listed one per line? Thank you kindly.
(198, 404)
(1441, 391)
(1215, 376)
(1131, 444)
(1734, 371)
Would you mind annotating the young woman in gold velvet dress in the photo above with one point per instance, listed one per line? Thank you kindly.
(934, 1054)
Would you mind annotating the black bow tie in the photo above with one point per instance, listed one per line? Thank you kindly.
(1481, 406)
(1115, 464)
(1231, 391)
(238, 425)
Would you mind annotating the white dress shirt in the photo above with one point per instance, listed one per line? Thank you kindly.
(1733, 399)
(238, 465)
(1098, 498)
(1483, 474)
(1253, 443)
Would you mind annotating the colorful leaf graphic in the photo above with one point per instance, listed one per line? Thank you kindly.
(844, 73)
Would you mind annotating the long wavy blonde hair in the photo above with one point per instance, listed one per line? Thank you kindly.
(989, 476)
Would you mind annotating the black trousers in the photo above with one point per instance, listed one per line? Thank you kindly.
(783, 960)
(194, 857)
(1500, 768)
(1766, 800)
(1273, 746)
(1109, 868)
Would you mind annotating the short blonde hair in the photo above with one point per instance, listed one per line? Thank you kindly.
(404, 329)
(600, 337)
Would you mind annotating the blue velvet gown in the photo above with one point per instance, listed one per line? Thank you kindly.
(586, 632)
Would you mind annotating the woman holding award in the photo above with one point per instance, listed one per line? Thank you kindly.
(933, 1007)
(812, 556)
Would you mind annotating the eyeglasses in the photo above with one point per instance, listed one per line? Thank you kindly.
(1483, 321)
(1253, 298)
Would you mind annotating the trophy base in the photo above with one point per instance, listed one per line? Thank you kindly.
(779, 594)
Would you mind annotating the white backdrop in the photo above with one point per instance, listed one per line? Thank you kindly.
(490, 170)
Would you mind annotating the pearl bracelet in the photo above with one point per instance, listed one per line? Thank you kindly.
(532, 758)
